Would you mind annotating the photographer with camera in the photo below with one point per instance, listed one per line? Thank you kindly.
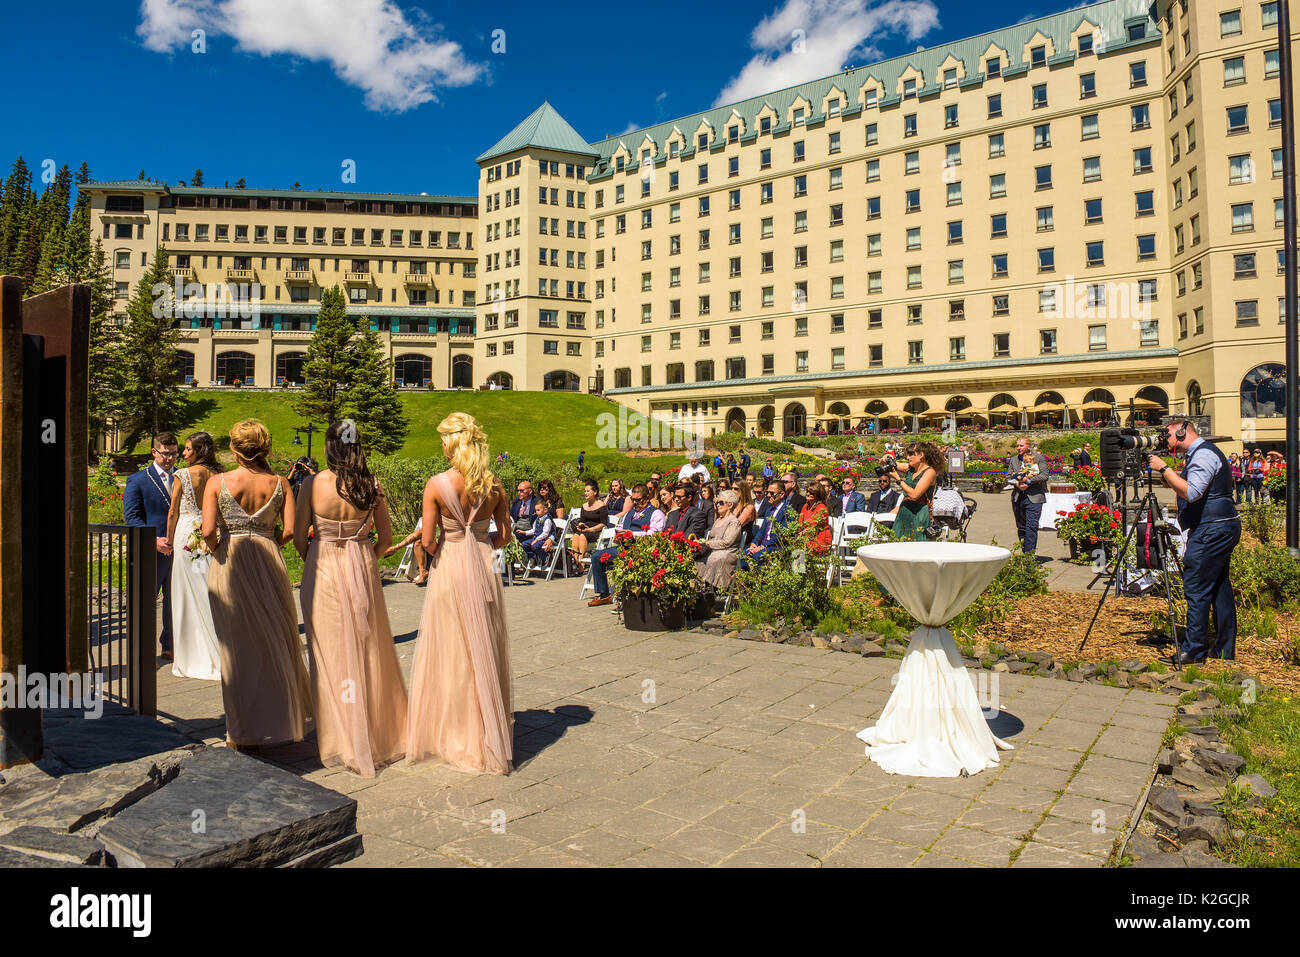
(1208, 514)
(1028, 492)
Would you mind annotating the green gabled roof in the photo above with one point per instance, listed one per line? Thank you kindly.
(1110, 16)
(127, 185)
(544, 128)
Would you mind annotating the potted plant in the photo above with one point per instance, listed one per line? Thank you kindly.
(655, 579)
(1275, 483)
(238, 383)
(1088, 527)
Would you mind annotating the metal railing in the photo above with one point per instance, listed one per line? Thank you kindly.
(120, 616)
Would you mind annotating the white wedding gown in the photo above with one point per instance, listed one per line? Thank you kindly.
(194, 638)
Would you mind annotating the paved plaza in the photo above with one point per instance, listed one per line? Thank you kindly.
(690, 749)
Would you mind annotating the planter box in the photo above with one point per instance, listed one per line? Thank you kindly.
(646, 614)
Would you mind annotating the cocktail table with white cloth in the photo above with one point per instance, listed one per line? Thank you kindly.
(1060, 502)
(933, 725)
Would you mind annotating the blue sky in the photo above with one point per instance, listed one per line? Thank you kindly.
(287, 90)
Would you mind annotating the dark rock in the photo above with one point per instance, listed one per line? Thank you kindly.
(1040, 658)
(1123, 679)
(1074, 674)
(1201, 809)
(1018, 667)
(1213, 830)
(894, 648)
(713, 624)
(1257, 785)
(803, 640)
(1205, 730)
(853, 643)
(1180, 685)
(253, 814)
(871, 649)
(1222, 764)
(10, 859)
(1146, 680)
(1165, 806)
(1088, 669)
(747, 634)
(1193, 777)
(820, 641)
(1197, 854)
(1165, 761)
(1205, 697)
(63, 848)
(1132, 665)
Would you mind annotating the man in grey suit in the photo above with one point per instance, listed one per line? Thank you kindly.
(1028, 495)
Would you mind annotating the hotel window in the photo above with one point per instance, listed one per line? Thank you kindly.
(999, 265)
(873, 97)
(1042, 136)
(550, 347)
(1087, 85)
(1001, 345)
(956, 310)
(733, 300)
(837, 214)
(183, 233)
(1179, 242)
(1047, 259)
(873, 207)
(1199, 317)
(1193, 183)
(1047, 341)
(1092, 211)
(702, 172)
(1182, 325)
(1238, 121)
(1240, 169)
(733, 199)
(1234, 71)
(801, 362)
(704, 272)
(1091, 169)
(997, 145)
(873, 244)
(223, 233)
(874, 319)
(873, 136)
(913, 238)
(873, 170)
(949, 79)
(1243, 266)
(1040, 96)
(674, 212)
(1047, 300)
(873, 282)
(733, 166)
(674, 245)
(1187, 90)
(801, 185)
(1173, 103)
(837, 322)
(1137, 74)
(1044, 219)
(954, 194)
(798, 116)
(957, 349)
(909, 89)
(1279, 214)
(675, 277)
(1281, 261)
(647, 218)
(1096, 338)
(834, 144)
(765, 227)
(1085, 44)
(913, 200)
(1089, 129)
(801, 221)
(956, 271)
(765, 261)
(1145, 202)
(645, 249)
(1141, 116)
(1095, 253)
(911, 162)
(995, 106)
(998, 225)
(769, 364)
(1243, 217)
(766, 330)
(913, 277)
(915, 355)
(1268, 14)
(1230, 23)
(837, 177)
(733, 267)
(837, 287)
(1182, 283)
(798, 151)
(1038, 56)
(1137, 31)
(952, 155)
(1274, 113)
(909, 124)
(1248, 312)
(1146, 245)
(993, 67)
(1042, 177)
(837, 358)
(801, 326)
(954, 232)
(703, 305)
(1142, 160)
(950, 116)
(672, 183)
(769, 295)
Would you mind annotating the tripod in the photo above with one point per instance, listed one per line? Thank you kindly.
(1160, 540)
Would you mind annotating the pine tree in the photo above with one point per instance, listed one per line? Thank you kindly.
(150, 396)
(77, 244)
(105, 382)
(17, 189)
(327, 366)
(240, 184)
(197, 179)
(372, 400)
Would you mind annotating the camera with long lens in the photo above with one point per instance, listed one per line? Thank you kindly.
(885, 467)
(1122, 451)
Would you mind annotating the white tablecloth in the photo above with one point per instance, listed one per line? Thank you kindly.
(1060, 502)
(933, 724)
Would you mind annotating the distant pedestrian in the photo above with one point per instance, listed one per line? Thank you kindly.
(581, 455)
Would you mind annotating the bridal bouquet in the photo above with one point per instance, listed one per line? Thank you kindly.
(195, 544)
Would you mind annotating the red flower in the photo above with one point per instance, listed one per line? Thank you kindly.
(1114, 525)
(645, 528)
(604, 558)
(655, 553)
(681, 558)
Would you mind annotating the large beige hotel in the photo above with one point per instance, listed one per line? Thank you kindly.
(1039, 222)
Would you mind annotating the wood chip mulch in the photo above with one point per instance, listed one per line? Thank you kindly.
(1056, 624)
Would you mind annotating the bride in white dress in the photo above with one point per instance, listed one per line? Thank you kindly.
(194, 637)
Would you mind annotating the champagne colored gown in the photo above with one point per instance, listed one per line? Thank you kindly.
(460, 681)
(264, 684)
(198, 654)
(357, 691)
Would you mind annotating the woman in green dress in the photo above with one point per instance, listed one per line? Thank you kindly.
(916, 485)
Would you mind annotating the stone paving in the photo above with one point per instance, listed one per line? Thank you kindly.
(639, 749)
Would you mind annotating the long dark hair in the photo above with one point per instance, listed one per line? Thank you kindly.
(346, 458)
(205, 451)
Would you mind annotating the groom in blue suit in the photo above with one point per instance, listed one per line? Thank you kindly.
(146, 502)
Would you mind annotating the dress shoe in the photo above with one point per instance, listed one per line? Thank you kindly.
(1181, 659)
(600, 600)
(168, 654)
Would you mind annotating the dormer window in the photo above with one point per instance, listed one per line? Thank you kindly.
(833, 108)
(1038, 56)
(765, 125)
(672, 149)
(798, 116)
(949, 79)
(1085, 44)
(703, 141)
(909, 89)
(733, 134)
(993, 67)
(618, 163)
(872, 98)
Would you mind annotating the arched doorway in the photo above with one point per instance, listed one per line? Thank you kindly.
(736, 420)
(1151, 404)
(766, 419)
(232, 366)
(413, 369)
(502, 380)
(915, 409)
(841, 421)
(1003, 409)
(560, 380)
(794, 420)
(1195, 401)
(1263, 392)
(1048, 409)
(289, 366)
(462, 371)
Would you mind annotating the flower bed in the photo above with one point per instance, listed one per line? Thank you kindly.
(661, 567)
(1088, 526)
(1088, 478)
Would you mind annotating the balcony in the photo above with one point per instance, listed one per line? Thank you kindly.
(240, 275)
(183, 272)
(357, 278)
(298, 275)
(416, 278)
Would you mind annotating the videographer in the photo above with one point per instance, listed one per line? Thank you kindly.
(1028, 494)
(1207, 512)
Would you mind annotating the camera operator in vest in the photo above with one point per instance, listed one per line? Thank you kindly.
(1207, 512)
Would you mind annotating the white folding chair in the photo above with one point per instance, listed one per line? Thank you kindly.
(605, 541)
(404, 565)
(560, 552)
(853, 525)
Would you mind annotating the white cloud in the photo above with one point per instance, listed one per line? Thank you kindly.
(398, 61)
(832, 33)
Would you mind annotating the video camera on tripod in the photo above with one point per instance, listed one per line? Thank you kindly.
(1122, 451)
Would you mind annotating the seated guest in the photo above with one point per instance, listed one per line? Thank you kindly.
(521, 509)
(641, 519)
(744, 509)
(778, 512)
(592, 518)
(664, 502)
(417, 551)
(791, 482)
(540, 536)
(616, 502)
(704, 502)
(832, 500)
(722, 547)
(885, 498)
(850, 499)
(815, 513)
(686, 517)
(768, 471)
(547, 493)
(652, 490)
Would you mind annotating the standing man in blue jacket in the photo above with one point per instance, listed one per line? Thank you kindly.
(145, 503)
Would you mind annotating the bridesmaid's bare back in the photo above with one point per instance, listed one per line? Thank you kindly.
(326, 501)
(251, 490)
(457, 483)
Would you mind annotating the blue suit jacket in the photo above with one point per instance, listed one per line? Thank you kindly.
(856, 502)
(771, 531)
(145, 501)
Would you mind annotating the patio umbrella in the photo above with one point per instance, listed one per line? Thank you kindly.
(1006, 408)
(1096, 406)
(1146, 404)
(1048, 407)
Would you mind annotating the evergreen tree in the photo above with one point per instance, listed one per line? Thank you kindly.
(240, 184)
(149, 395)
(17, 189)
(197, 179)
(77, 247)
(327, 366)
(105, 381)
(372, 401)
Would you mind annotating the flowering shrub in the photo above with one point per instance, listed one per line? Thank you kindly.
(659, 566)
(1090, 524)
(1275, 483)
(1088, 478)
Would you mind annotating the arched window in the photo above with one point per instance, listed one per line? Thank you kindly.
(793, 420)
(957, 403)
(502, 380)
(288, 367)
(413, 369)
(916, 407)
(1100, 396)
(1263, 392)
(560, 381)
(462, 371)
(232, 366)
(184, 366)
(1195, 401)
(766, 419)
(877, 406)
(736, 420)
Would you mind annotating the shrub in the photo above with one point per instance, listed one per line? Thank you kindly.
(403, 480)
(104, 495)
(1264, 576)
(1263, 521)
(791, 581)
(729, 441)
(770, 445)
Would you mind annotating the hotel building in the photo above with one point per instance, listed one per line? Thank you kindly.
(1041, 221)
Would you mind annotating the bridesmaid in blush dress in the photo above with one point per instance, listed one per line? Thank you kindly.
(264, 685)
(360, 701)
(460, 680)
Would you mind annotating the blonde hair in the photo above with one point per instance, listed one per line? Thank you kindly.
(251, 442)
(467, 451)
